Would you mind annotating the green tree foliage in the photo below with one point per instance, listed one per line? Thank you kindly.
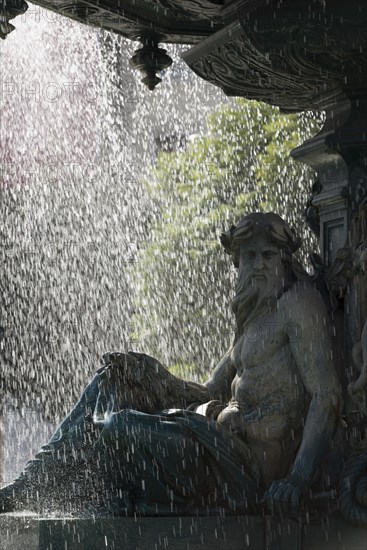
(185, 281)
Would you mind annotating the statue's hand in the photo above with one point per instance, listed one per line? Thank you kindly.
(129, 381)
(134, 367)
(114, 358)
(150, 362)
(139, 369)
(284, 495)
(121, 366)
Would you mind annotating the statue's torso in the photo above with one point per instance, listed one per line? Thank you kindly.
(266, 370)
(269, 401)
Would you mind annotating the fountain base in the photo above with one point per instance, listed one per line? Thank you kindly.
(20, 531)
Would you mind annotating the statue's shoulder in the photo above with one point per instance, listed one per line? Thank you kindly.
(302, 300)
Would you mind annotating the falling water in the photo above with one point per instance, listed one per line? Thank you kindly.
(78, 131)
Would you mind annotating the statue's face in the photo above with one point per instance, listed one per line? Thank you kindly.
(260, 261)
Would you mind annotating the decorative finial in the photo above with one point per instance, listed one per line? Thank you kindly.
(8, 10)
(150, 59)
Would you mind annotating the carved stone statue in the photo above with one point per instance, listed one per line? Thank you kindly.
(353, 482)
(358, 388)
(141, 440)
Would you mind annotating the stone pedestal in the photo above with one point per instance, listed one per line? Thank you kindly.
(19, 532)
(30, 532)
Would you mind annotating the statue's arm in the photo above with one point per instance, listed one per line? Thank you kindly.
(175, 391)
(311, 345)
(219, 385)
(185, 392)
(309, 333)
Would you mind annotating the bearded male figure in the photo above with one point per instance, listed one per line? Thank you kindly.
(260, 425)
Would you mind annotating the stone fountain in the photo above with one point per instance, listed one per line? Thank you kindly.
(306, 55)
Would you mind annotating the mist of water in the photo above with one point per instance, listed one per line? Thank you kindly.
(78, 130)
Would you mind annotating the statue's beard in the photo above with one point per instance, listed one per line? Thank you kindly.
(252, 300)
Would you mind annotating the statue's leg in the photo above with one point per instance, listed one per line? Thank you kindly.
(171, 464)
(43, 475)
(127, 461)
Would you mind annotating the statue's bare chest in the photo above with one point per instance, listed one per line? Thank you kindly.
(262, 339)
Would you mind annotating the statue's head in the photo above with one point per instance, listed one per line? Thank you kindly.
(261, 246)
(267, 225)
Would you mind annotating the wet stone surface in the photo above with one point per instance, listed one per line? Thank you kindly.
(30, 532)
(19, 531)
(189, 533)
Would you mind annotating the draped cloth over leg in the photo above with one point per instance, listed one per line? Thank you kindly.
(105, 461)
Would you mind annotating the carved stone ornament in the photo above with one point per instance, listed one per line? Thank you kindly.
(353, 485)
(172, 21)
(187, 9)
(150, 59)
(293, 57)
(342, 271)
(358, 389)
(291, 54)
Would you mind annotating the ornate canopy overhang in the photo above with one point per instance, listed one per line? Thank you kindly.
(294, 54)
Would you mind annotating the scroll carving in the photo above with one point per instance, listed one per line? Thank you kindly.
(289, 65)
